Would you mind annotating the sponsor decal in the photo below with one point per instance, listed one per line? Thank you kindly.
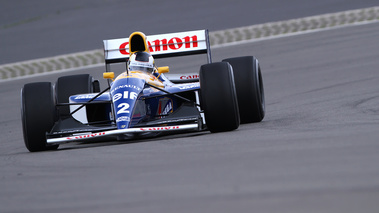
(126, 86)
(88, 96)
(189, 77)
(167, 109)
(165, 106)
(160, 128)
(161, 45)
(188, 86)
(123, 108)
(86, 136)
(123, 118)
(125, 95)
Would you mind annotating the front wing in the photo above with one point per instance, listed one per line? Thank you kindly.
(86, 136)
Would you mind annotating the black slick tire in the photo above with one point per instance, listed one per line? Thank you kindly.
(249, 87)
(38, 114)
(218, 97)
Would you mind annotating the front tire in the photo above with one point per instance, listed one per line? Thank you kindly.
(38, 113)
(218, 97)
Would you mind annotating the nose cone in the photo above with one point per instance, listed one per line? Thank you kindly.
(125, 92)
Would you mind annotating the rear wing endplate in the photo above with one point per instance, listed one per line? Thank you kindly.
(161, 46)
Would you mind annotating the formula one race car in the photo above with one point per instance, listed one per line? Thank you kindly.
(143, 101)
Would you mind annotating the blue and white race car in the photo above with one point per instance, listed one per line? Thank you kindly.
(142, 101)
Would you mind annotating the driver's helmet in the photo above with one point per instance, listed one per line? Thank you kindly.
(141, 61)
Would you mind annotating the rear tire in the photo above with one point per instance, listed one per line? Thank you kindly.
(72, 85)
(249, 87)
(38, 114)
(218, 97)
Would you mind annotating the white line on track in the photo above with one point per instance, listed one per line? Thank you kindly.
(219, 39)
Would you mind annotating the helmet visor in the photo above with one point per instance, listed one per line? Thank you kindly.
(140, 66)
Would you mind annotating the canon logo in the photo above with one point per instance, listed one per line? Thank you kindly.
(174, 43)
(159, 128)
(189, 77)
(86, 136)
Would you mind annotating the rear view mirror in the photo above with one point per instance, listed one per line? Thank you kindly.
(108, 75)
(163, 69)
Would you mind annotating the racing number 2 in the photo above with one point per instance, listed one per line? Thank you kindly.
(124, 108)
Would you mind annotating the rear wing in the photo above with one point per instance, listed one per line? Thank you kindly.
(161, 46)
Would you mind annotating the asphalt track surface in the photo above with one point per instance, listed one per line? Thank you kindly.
(315, 151)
